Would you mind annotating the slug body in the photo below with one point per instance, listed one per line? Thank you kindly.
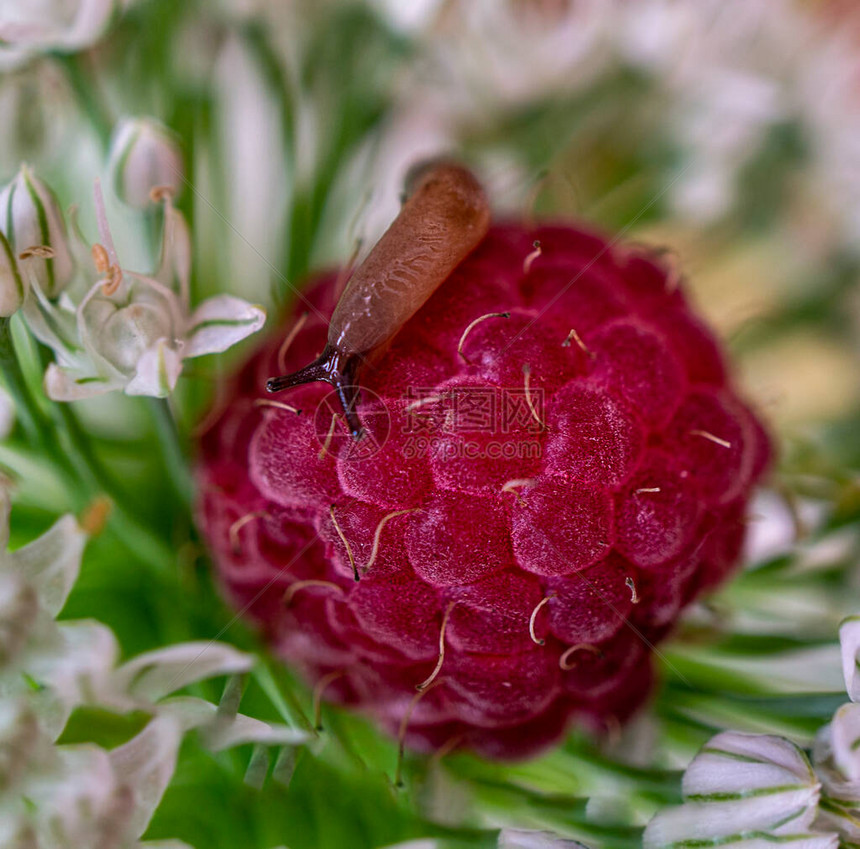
(444, 218)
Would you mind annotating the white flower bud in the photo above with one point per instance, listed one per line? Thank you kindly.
(743, 784)
(849, 641)
(30, 217)
(52, 25)
(144, 156)
(12, 289)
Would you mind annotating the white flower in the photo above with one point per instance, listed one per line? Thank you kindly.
(132, 331)
(849, 640)
(31, 218)
(144, 156)
(745, 789)
(82, 795)
(40, 26)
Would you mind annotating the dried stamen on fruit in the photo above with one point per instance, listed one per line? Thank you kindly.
(430, 399)
(533, 617)
(647, 489)
(403, 728)
(346, 544)
(447, 747)
(376, 535)
(240, 523)
(322, 684)
(278, 405)
(578, 339)
(290, 338)
(511, 485)
(474, 324)
(563, 660)
(527, 374)
(529, 260)
(425, 684)
(707, 435)
(328, 438)
(631, 585)
(292, 589)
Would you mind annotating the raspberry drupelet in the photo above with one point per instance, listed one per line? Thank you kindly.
(555, 464)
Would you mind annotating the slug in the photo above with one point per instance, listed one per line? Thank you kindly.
(444, 217)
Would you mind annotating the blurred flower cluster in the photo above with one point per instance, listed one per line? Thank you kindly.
(226, 149)
(64, 794)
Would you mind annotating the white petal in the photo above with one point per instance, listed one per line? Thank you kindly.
(90, 22)
(157, 673)
(164, 844)
(224, 732)
(19, 610)
(77, 797)
(12, 287)
(157, 371)
(146, 763)
(7, 414)
(52, 562)
(63, 384)
(845, 741)
(849, 640)
(739, 785)
(676, 826)
(734, 763)
(76, 669)
(220, 322)
(413, 844)
(516, 838)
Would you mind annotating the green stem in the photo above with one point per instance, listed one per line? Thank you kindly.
(173, 450)
(40, 429)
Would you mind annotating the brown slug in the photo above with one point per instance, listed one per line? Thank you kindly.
(444, 217)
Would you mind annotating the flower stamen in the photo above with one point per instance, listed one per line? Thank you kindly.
(37, 252)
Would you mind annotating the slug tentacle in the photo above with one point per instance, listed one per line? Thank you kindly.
(338, 370)
(442, 221)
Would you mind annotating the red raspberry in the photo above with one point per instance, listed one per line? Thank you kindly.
(551, 488)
